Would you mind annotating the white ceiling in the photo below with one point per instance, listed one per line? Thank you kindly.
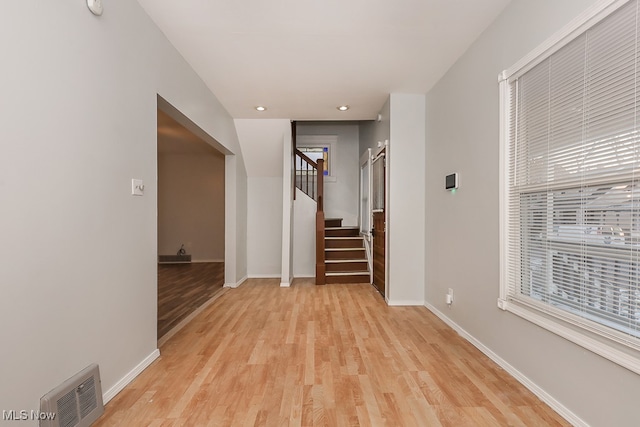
(303, 58)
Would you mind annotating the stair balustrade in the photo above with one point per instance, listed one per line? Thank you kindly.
(309, 180)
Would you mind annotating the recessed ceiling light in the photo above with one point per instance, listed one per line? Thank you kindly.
(261, 108)
(343, 107)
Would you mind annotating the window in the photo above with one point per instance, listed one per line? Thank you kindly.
(315, 154)
(320, 147)
(571, 186)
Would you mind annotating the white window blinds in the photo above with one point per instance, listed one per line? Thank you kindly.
(573, 193)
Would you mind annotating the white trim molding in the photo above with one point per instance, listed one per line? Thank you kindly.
(237, 284)
(522, 379)
(404, 303)
(264, 276)
(586, 19)
(124, 381)
(580, 338)
(595, 333)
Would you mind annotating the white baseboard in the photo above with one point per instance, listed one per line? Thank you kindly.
(117, 388)
(285, 284)
(264, 276)
(404, 303)
(235, 285)
(525, 381)
(206, 260)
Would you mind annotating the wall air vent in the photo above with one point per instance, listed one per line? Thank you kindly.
(77, 402)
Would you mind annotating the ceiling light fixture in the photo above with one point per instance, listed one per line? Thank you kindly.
(261, 108)
(343, 107)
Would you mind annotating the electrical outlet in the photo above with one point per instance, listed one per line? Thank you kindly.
(137, 187)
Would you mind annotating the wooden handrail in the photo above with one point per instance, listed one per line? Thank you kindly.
(306, 159)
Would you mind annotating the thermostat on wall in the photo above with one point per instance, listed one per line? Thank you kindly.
(451, 182)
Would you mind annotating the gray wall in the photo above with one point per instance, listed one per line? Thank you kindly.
(78, 271)
(191, 205)
(375, 131)
(462, 241)
(342, 195)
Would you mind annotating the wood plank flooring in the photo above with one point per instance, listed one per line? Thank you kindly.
(332, 355)
(182, 288)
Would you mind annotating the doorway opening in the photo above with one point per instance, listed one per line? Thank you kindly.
(191, 223)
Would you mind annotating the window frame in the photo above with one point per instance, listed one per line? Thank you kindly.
(611, 344)
(322, 141)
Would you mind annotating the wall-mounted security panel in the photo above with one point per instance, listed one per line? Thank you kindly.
(451, 181)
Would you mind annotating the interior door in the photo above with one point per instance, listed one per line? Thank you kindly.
(379, 251)
(379, 221)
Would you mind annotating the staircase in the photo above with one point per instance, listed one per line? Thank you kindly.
(345, 256)
(340, 253)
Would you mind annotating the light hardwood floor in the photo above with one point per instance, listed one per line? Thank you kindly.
(331, 355)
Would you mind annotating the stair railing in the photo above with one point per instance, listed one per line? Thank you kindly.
(309, 179)
(306, 175)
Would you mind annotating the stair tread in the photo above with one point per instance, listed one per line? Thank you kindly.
(355, 227)
(347, 273)
(344, 249)
(343, 237)
(338, 261)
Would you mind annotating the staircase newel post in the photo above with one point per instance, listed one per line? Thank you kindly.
(320, 264)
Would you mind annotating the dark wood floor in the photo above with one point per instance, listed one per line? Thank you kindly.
(182, 288)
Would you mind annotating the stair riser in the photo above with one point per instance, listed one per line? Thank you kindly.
(344, 255)
(343, 243)
(347, 266)
(344, 232)
(333, 222)
(348, 279)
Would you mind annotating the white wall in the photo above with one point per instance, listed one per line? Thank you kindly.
(304, 235)
(264, 227)
(191, 205)
(402, 124)
(462, 242)
(406, 203)
(78, 273)
(341, 196)
(236, 221)
(262, 146)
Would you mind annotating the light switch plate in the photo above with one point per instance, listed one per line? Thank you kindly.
(137, 187)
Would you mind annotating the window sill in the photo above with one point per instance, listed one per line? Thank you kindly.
(602, 346)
